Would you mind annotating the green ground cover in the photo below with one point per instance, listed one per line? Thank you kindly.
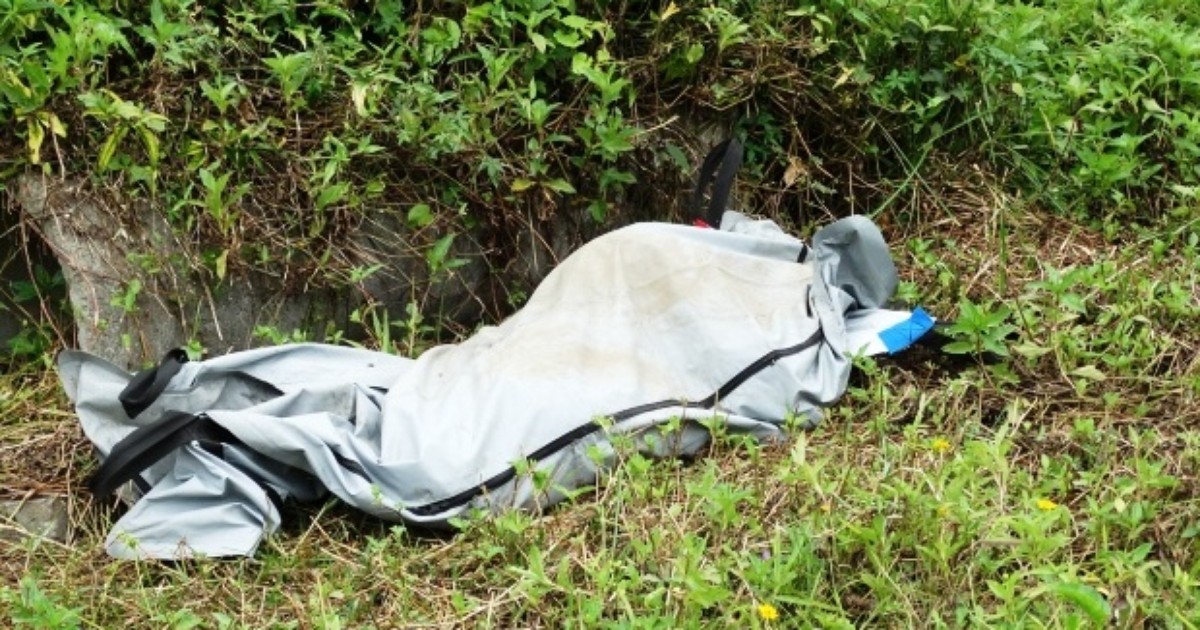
(1033, 164)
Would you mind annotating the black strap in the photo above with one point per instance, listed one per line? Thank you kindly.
(145, 387)
(149, 444)
(728, 156)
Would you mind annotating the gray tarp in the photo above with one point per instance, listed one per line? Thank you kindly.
(642, 325)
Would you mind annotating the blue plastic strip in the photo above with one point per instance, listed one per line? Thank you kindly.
(907, 332)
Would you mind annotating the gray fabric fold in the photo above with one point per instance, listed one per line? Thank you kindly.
(643, 325)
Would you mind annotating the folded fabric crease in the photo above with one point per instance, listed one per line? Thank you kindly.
(645, 324)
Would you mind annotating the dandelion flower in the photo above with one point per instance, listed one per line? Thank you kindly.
(941, 445)
(768, 612)
(1046, 505)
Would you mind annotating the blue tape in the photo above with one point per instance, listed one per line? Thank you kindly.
(907, 332)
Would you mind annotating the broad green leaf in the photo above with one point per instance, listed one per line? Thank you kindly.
(598, 209)
(568, 39)
(436, 256)
(150, 142)
(206, 178)
(1031, 350)
(560, 186)
(995, 346)
(958, 347)
(1085, 597)
(36, 136)
(221, 264)
(539, 41)
(576, 22)
(109, 148)
(56, 125)
(150, 120)
(581, 64)
(358, 96)
(1089, 372)
(1074, 303)
(420, 215)
(332, 194)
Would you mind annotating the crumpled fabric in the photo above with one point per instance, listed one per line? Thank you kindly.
(644, 325)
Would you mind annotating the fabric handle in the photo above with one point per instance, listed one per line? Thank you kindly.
(728, 156)
(149, 444)
(146, 386)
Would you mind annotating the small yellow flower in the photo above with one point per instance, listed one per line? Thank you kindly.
(940, 445)
(768, 612)
(943, 510)
(1046, 505)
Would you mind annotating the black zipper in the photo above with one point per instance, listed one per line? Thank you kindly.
(582, 431)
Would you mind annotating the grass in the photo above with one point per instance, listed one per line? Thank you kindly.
(1055, 487)
(1033, 165)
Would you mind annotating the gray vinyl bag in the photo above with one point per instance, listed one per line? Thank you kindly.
(643, 325)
